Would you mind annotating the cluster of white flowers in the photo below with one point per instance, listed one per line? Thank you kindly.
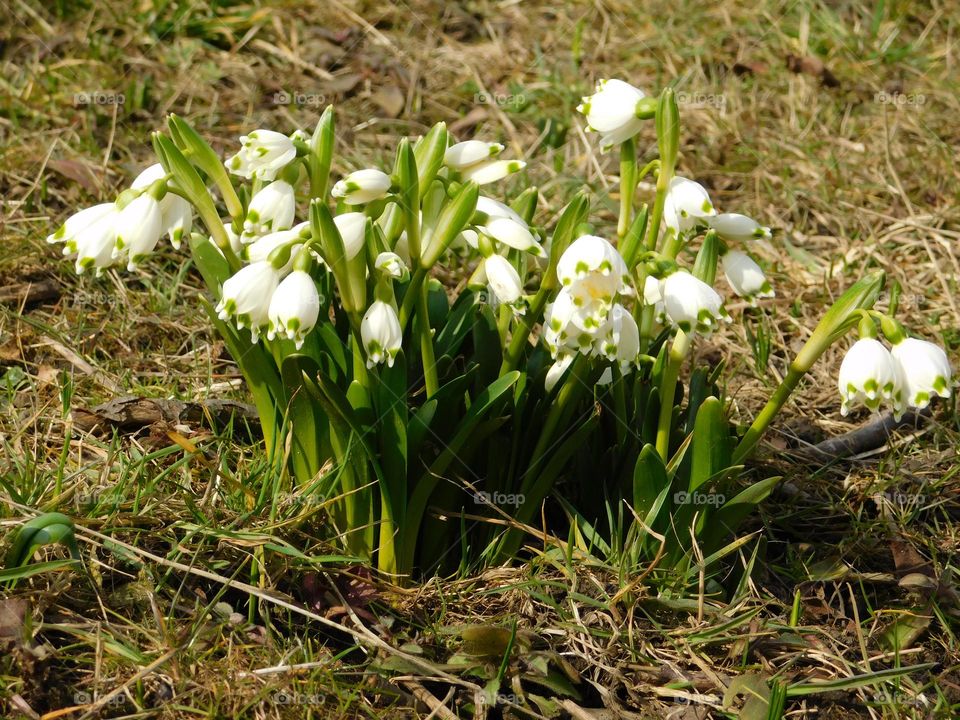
(909, 374)
(127, 230)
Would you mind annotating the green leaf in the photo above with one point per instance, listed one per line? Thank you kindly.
(710, 448)
(306, 418)
(727, 519)
(649, 480)
(856, 681)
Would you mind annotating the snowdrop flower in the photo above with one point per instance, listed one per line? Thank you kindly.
(556, 371)
(745, 276)
(294, 308)
(594, 272)
(925, 371)
(620, 338)
(177, 213)
(691, 304)
(496, 209)
(380, 333)
(270, 210)
(513, 234)
(653, 296)
(569, 328)
(352, 226)
(492, 170)
(362, 186)
(138, 228)
(869, 373)
(464, 154)
(738, 228)
(95, 243)
(77, 223)
(245, 297)
(260, 250)
(392, 265)
(263, 153)
(504, 281)
(687, 202)
(612, 110)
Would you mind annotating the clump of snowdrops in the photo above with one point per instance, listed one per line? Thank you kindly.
(441, 423)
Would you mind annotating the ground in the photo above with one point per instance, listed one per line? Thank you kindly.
(834, 123)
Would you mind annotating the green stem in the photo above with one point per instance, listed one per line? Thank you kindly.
(522, 332)
(668, 387)
(430, 377)
(628, 185)
(769, 412)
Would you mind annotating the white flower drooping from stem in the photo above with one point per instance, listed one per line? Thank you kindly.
(513, 234)
(177, 213)
(735, 227)
(271, 209)
(259, 250)
(925, 371)
(612, 111)
(686, 203)
(263, 153)
(504, 281)
(352, 226)
(380, 333)
(138, 228)
(869, 374)
(392, 265)
(619, 338)
(691, 304)
(245, 297)
(362, 186)
(593, 271)
(94, 243)
(746, 276)
(294, 308)
(557, 370)
(469, 153)
(77, 223)
(487, 172)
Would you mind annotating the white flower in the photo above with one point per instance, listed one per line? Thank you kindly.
(245, 297)
(737, 228)
(380, 333)
(504, 281)
(260, 250)
(869, 373)
(138, 228)
(294, 308)
(691, 304)
(271, 209)
(593, 271)
(95, 243)
(556, 371)
(464, 154)
(492, 170)
(496, 209)
(652, 295)
(513, 234)
(569, 328)
(612, 110)
(177, 213)
(352, 226)
(391, 264)
(746, 276)
(79, 222)
(619, 338)
(925, 370)
(362, 186)
(687, 202)
(263, 153)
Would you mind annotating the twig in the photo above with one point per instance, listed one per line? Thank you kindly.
(863, 439)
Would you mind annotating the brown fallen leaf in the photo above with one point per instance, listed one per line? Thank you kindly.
(390, 99)
(77, 171)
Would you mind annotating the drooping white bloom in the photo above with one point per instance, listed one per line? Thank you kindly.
(380, 333)
(496, 209)
(594, 272)
(260, 250)
(95, 243)
(612, 110)
(245, 297)
(925, 371)
(392, 264)
(138, 228)
(557, 370)
(263, 153)
(619, 338)
(652, 295)
(745, 276)
(691, 304)
(271, 209)
(352, 226)
(294, 308)
(737, 228)
(464, 154)
(513, 234)
(686, 203)
(504, 281)
(362, 186)
(77, 223)
(569, 328)
(177, 213)
(492, 170)
(869, 373)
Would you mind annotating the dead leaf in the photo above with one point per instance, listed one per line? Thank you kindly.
(77, 171)
(13, 613)
(390, 99)
(907, 561)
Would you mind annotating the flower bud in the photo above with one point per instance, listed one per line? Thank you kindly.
(362, 186)
(464, 154)
(492, 170)
(734, 227)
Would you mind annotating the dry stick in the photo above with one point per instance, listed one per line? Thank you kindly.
(868, 437)
(438, 708)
